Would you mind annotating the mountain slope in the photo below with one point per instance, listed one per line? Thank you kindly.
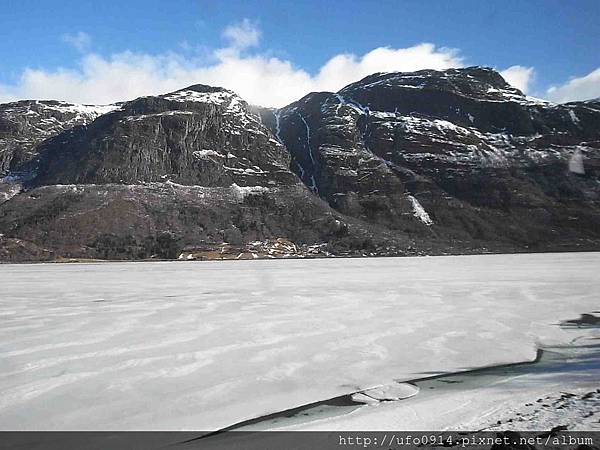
(458, 154)
(25, 124)
(453, 161)
(189, 170)
(199, 135)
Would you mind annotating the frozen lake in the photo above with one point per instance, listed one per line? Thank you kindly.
(203, 345)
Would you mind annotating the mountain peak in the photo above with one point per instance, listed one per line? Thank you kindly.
(204, 88)
(468, 81)
(202, 93)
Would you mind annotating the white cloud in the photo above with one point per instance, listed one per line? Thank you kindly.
(519, 77)
(258, 78)
(582, 88)
(242, 35)
(346, 68)
(80, 40)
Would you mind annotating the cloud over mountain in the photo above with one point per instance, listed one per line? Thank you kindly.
(256, 76)
(580, 88)
(240, 65)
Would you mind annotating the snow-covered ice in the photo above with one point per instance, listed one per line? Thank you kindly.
(561, 388)
(203, 345)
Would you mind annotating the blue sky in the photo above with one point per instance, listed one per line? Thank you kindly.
(551, 43)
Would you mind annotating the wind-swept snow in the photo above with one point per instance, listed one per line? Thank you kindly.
(561, 388)
(202, 345)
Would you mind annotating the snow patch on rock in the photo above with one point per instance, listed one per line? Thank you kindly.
(574, 117)
(241, 192)
(207, 154)
(419, 212)
(576, 163)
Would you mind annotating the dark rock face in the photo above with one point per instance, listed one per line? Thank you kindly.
(197, 136)
(116, 221)
(433, 162)
(190, 169)
(25, 124)
(457, 154)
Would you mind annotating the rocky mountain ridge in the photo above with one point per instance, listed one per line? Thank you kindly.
(460, 148)
(428, 162)
(25, 124)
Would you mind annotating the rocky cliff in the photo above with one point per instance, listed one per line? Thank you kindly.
(457, 154)
(398, 163)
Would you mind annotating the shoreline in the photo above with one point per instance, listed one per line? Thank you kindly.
(84, 261)
(547, 358)
(556, 385)
(336, 409)
(347, 401)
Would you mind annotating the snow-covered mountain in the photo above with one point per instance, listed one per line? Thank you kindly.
(397, 163)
